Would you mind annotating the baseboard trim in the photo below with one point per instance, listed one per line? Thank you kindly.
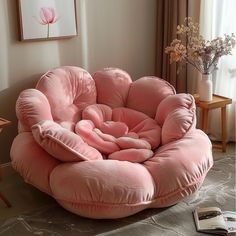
(7, 169)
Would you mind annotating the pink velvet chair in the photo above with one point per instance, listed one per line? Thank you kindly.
(107, 147)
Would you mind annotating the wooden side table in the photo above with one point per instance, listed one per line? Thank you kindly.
(4, 123)
(217, 102)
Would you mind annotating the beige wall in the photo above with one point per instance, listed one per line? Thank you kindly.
(111, 33)
(121, 34)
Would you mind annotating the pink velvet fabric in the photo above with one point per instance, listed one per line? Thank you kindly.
(106, 147)
(85, 129)
(112, 87)
(146, 93)
(63, 144)
(32, 162)
(176, 115)
(32, 106)
(68, 90)
(109, 132)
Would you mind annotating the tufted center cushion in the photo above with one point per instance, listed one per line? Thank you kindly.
(122, 126)
(121, 133)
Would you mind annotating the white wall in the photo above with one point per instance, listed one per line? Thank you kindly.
(117, 33)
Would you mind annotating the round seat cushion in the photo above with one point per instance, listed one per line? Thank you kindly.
(102, 188)
(106, 146)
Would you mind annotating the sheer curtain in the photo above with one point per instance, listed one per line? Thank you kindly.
(218, 17)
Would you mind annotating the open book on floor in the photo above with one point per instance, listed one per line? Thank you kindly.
(214, 221)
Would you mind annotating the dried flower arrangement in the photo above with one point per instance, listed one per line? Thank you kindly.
(195, 50)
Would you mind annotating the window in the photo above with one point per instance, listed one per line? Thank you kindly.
(217, 18)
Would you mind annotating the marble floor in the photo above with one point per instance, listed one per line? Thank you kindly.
(22, 196)
(231, 150)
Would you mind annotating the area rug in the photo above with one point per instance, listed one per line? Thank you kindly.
(218, 190)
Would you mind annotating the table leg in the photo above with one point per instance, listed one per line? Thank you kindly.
(1, 195)
(5, 200)
(204, 120)
(223, 128)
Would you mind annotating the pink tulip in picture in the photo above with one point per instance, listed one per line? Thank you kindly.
(47, 19)
(48, 16)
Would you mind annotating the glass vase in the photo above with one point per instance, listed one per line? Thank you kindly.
(205, 88)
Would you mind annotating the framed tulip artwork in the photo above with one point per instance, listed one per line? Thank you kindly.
(47, 19)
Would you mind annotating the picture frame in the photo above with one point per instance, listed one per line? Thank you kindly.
(47, 19)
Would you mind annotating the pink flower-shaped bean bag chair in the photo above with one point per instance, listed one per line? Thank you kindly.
(107, 147)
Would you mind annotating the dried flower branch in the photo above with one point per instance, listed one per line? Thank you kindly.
(195, 50)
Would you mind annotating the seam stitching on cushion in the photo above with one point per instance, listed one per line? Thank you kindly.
(188, 129)
(66, 146)
(133, 204)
